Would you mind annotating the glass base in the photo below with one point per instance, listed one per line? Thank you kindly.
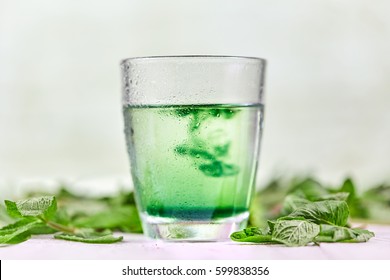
(170, 229)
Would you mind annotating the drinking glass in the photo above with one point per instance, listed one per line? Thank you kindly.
(193, 126)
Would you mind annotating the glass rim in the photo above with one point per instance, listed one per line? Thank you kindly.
(143, 58)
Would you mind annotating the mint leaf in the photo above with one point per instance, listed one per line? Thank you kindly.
(5, 218)
(295, 232)
(219, 169)
(39, 215)
(330, 233)
(307, 200)
(90, 236)
(309, 189)
(12, 209)
(18, 232)
(331, 212)
(44, 206)
(333, 196)
(253, 234)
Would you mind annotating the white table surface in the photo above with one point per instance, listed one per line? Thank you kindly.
(136, 246)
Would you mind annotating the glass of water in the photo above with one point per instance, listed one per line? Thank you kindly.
(193, 126)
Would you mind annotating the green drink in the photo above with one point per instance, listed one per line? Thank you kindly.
(193, 129)
(193, 163)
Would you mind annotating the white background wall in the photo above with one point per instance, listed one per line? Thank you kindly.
(327, 105)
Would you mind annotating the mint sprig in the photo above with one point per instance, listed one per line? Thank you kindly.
(309, 222)
(39, 215)
(294, 232)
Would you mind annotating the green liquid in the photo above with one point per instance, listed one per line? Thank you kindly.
(193, 162)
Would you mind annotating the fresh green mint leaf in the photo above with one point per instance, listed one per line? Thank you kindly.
(90, 236)
(330, 233)
(44, 206)
(253, 234)
(295, 232)
(19, 231)
(12, 209)
(331, 212)
(18, 238)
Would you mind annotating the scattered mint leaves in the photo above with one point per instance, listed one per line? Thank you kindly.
(330, 233)
(37, 215)
(307, 220)
(356, 205)
(283, 203)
